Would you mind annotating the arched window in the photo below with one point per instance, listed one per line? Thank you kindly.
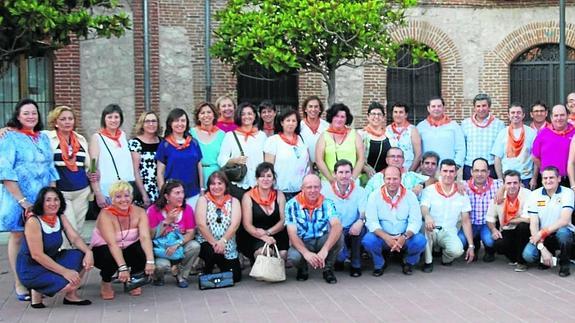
(413, 84)
(534, 75)
(26, 78)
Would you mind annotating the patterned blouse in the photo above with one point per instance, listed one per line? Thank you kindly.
(218, 222)
(147, 165)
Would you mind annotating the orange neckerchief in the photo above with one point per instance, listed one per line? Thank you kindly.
(256, 195)
(117, 212)
(116, 138)
(489, 121)
(267, 127)
(313, 127)
(335, 131)
(514, 147)
(169, 209)
(439, 190)
(219, 204)
(403, 127)
(510, 209)
(248, 133)
(444, 120)
(572, 118)
(307, 205)
(50, 219)
(34, 135)
(544, 125)
(389, 200)
(210, 130)
(290, 141)
(68, 157)
(480, 190)
(172, 141)
(568, 129)
(374, 132)
(345, 194)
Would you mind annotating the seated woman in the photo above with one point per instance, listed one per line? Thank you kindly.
(121, 240)
(41, 265)
(218, 217)
(263, 216)
(170, 212)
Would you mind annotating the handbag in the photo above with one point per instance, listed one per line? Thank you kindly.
(162, 242)
(137, 280)
(269, 267)
(217, 280)
(236, 172)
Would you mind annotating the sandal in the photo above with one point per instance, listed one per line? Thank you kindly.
(107, 293)
(136, 291)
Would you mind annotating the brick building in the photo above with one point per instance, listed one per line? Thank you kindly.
(504, 48)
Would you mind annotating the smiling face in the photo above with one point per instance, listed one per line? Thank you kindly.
(51, 203)
(376, 118)
(516, 115)
(217, 187)
(448, 173)
(512, 185)
(248, 116)
(429, 166)
(339, 120)
(206, 116)
(266, 180)
(289, 124)
(268, 115)
(571, 102)
(436, 109)
(179, 125)
(392, 179)
(480, 172)
(394, 157)
(65, 121)
(399, 115)
(150, 124)
(559, 117)
(481, 109)
(550, 180)
(311, 187)
(113, 121)
(313, 109)
(227, 109)
(538, 114)
(122, 199)
(176, 196)
(28, 116)
(343, 175)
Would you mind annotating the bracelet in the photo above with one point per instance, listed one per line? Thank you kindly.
(268, 232)
(22, 200)
(150, 262)
(471, 246)
(573, 187)
(544, 234)
(405, 236)
(123, 268)
(224, 240)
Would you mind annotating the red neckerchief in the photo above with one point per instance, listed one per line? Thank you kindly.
(219, 204)
(345, 194)
(374, 132)
(117, 212)
(172, 141)
(307, 205)
(489, 121)
(290, 141)
(68, 157)
(335, 131)
(389, 200)
(480, 190)
(212, 129)
(510, 209)
(255, 194)
(248, 133)
(116, 138)
(568, 129)
(398, 133)
(444, 120)
(34, 135)
(267, 127)
(439, 190)
(514, 147)
(313, 127)
(544, 125)
(50, 219)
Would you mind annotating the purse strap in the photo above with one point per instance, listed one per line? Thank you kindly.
(109, 152)
(238, 142)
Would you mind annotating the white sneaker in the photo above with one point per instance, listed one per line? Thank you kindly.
(520, 268)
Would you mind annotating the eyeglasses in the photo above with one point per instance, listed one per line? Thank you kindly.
(539, 111)
(395, 156)
(151, 121)
(376, 114)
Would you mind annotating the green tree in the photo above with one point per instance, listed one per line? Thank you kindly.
(28, 27)
(312, 35)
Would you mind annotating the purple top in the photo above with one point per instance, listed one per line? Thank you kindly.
(553, 149)
(226, 126)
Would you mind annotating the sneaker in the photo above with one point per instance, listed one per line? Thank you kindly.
(427, 268)
(564, 271)
(302, 274)
(512, 263)
(520, 268)
(329, 277)
(488, 257)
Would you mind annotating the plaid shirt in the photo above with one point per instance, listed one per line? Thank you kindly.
(479, 141)
(310, 227)
(480, 203)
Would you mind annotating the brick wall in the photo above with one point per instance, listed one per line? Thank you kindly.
(67, 79)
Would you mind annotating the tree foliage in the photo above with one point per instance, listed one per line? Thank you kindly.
(311, 35)
(34, 26)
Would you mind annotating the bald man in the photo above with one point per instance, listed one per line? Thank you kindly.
(314, 231)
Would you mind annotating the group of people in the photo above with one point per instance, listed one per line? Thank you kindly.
(320, 190)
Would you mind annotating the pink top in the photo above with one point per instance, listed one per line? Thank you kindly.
(185, 222)
(123, 238)
(553, 149)
(226, 126)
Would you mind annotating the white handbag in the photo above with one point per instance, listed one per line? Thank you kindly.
(268, 267)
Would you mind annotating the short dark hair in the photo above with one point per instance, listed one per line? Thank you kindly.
(284, 115)
(15, 123)
(482, 97)
(430, 154)
(169, 185)
(511, 173)
(400, 105)
(342, 162)
(109, 109)
(553, 169)
(374, 105)
(38, 207)
(307, 100)
(238, 113)
(337, 107)
(516, 104)
(447, 162)
(265, 104)
(199, 108)
(395, 148)
(264, 167)
(435, 97)
(221, 176)
(479, 159)
(540, 103)
(172, 116)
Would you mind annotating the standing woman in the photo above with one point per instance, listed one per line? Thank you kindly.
(143, 148)
(109, 147)
(375, 141)
(312, 125)
(26, 166)
(72, 162)
(404, 135)
(179, 156)
(209, 136)
(288, 153)
(338, 142)
(267, 113)
(252, 143)
(226, 108)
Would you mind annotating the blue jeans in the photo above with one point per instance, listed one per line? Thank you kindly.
(412, 249)
(561, 240)
(479, 231)
(351, 248)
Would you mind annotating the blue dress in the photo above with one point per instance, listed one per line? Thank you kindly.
(181, 165)
(35, 276)
(31, 164)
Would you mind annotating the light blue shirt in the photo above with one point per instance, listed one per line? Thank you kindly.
(479, 141)
(446, 140)
(380, 215)
(523, 162)
(348, 210)
(408, 180)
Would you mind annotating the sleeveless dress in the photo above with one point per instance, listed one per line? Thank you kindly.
(334, 152)
(37, 277)
(210, 151)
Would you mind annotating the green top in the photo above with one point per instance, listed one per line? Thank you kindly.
(334, 152)
(210, 152)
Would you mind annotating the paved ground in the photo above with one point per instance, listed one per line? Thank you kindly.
(462, 293)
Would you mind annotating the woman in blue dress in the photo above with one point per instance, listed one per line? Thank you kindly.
(41, 265)
(26, 165)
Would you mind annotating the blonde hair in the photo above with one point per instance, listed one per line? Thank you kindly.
(222, 98)
(55, 114)
(139, 126)
(120, 186)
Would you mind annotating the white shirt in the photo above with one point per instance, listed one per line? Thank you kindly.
(253, 149)
(291, 162)
(309, 138)
(446, 212)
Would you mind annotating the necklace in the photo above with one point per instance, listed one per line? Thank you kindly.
(122, 236)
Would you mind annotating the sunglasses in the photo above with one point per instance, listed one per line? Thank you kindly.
(219, 214)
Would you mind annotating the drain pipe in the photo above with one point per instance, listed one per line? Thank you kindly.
(208, 42)
(147, 104)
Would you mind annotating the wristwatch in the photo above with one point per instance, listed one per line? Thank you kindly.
(405, 236)
(540, 246)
